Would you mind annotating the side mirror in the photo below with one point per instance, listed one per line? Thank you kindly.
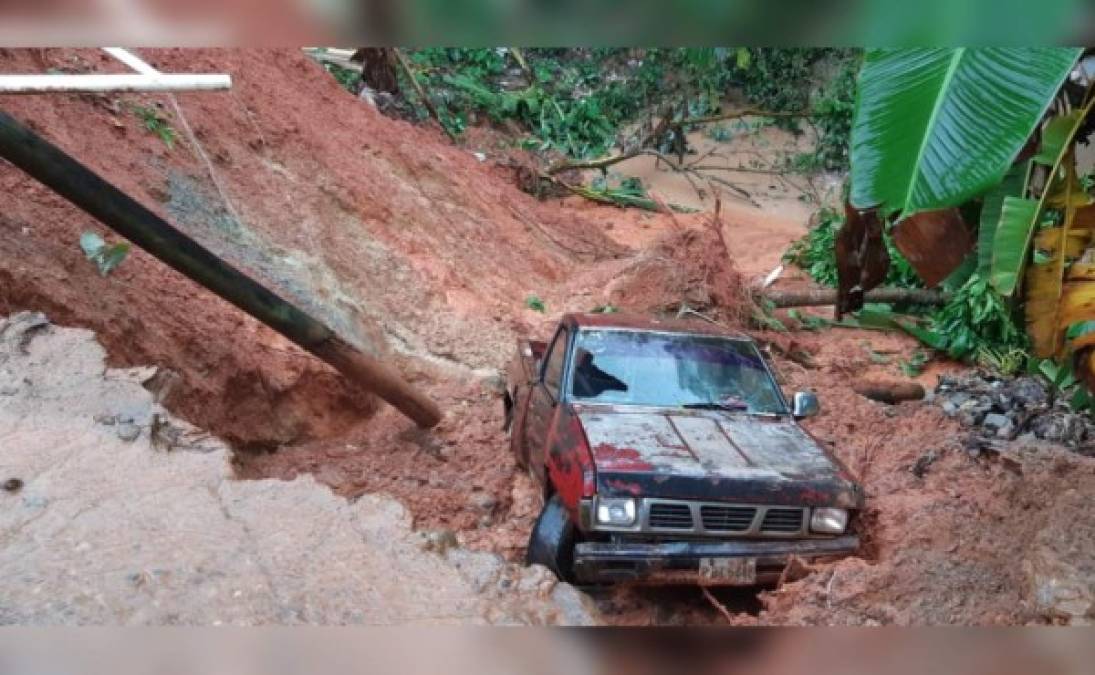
(805, 405)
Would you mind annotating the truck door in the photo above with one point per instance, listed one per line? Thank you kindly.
(544, 400)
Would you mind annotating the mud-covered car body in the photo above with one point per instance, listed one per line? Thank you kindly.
(613, 418)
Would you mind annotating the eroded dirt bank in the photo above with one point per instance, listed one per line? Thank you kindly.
(114, 512)
(414, 247)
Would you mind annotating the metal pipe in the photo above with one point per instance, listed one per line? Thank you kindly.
(125, 82)
(81, 186)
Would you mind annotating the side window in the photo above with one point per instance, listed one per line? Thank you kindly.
(553, 367)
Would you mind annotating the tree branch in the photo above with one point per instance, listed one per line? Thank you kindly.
(406, 67)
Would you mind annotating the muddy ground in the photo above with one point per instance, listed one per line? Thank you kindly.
(416, 249)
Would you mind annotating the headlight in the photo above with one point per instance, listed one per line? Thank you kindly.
(829, 521)
(616, 512)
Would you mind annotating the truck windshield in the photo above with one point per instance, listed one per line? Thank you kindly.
(664, 369)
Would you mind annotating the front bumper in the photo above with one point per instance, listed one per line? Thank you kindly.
(680, 562)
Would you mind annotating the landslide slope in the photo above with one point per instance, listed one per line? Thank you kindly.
(397, 238)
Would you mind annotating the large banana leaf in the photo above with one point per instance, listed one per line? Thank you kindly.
(1011, 244)
(1013, 185)
(1019, 217)
(936, 126)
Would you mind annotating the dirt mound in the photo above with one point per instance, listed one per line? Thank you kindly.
(687, 268)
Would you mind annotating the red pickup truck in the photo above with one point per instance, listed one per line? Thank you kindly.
(667, 453)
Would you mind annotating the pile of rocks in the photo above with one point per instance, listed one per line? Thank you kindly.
(1007, 408)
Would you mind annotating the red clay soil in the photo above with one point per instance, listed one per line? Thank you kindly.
(411, 246)
(375, 225)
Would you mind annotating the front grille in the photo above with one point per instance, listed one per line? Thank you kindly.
(670, 516)
(727, 518)
(782, 520)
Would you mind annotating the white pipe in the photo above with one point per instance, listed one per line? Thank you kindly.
(44, 84)
(132, 60)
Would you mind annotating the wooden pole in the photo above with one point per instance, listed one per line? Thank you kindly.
(120, 212)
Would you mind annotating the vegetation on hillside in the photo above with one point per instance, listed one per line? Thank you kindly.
(578, 102)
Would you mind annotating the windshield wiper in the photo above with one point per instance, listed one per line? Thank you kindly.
(713, 405)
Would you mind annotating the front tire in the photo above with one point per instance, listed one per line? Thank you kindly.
(551, 543)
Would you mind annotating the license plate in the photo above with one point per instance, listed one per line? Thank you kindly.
(731, 571)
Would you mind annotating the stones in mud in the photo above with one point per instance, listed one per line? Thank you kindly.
(1059, 565)
(1003, 408)
(129, 432)
(484, 504)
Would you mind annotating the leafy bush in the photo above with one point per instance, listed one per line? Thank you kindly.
(976, 324)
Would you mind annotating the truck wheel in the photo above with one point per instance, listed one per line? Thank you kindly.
(551, 543)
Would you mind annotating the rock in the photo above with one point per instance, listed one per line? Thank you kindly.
(439, 541)
(1060, 567)
(1030, 392)
(129, 432)
(994, 421)
(479, 568)
(495, 384)
(1008, 430)
(575, 608)
(950, 408)
(483, 502)
(923, 462)
(1058, 427)
(973, 411)
(537, 579)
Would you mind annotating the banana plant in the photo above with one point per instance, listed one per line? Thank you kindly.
(937, 128)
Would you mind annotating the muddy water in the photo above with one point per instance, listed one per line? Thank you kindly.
(766, 209)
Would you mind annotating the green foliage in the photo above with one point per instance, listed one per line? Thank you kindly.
(534, 303)
(809, 321)
(1062, 383)
(975, 325)
(106, 257)
(935, 127)
(629, 193)
(156, 123)
(832, 108)
(346, 77)
(783, 80)
(579, 99)
(816, 255)
(914, 365)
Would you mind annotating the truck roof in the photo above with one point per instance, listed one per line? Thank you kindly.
(624, 321)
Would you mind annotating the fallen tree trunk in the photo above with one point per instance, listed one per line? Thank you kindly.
(827, 296)
(72, 180)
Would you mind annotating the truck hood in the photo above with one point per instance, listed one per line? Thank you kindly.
(702, 454)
